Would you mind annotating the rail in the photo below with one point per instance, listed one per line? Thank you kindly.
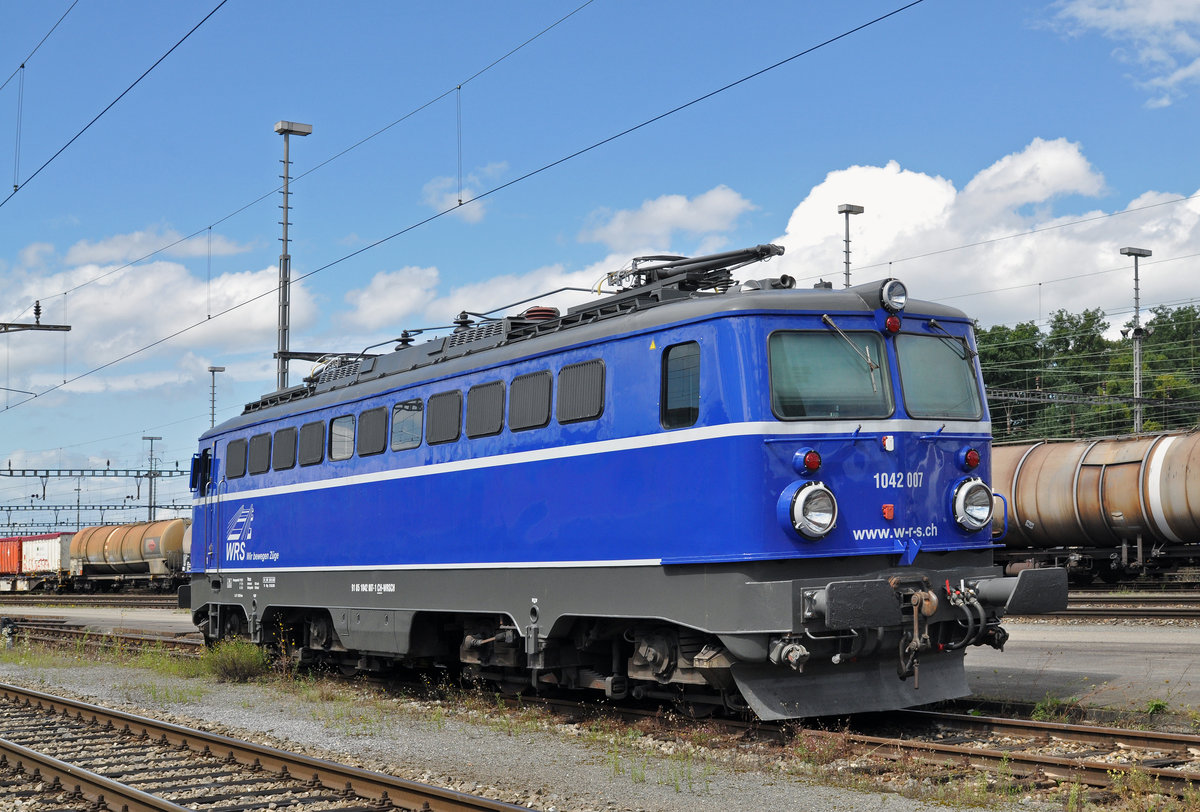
(227, 760)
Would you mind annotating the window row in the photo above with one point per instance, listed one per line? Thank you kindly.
(440, 420)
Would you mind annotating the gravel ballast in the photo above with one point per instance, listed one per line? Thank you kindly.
(524, 757)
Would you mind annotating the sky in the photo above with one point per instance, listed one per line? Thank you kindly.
(1003, 151)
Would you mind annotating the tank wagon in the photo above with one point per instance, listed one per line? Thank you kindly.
(1113, 507)
(698, 490)
(111, 557)
(104, 558)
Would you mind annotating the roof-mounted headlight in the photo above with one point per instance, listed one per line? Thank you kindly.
(893, 295)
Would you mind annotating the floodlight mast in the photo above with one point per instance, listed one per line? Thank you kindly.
(849, 209)
(1138, 334)
(286, 129)
(212, 404)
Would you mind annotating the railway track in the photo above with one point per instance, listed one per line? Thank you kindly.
(54, 632)
(1086, 754)
(98, 758)
(1141, 598)
(125, 601)
(1027, 753)
(1136, 612)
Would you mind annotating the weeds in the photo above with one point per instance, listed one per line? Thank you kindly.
(163, 662)
(819, 749)
(236, 661)
(1076, 798)
(1054, 709)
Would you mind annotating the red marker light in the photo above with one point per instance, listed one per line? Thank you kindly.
(971, 459)
(892, 324)
(812, 461)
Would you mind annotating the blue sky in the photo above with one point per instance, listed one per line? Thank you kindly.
(956, 125)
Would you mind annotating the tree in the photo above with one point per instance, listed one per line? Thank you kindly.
(1075, 359)
(1011, 359)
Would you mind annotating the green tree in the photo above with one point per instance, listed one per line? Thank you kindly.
(1072, 357)
(1011, 360)
(1077, 360)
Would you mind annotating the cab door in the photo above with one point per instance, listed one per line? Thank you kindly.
(208, 489)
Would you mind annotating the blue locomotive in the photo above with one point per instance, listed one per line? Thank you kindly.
(699, 490)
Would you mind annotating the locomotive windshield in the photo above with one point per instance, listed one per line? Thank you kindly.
(938, 377)
(829, 375)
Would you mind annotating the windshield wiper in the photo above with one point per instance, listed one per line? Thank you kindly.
(866, 356)
(967, 352)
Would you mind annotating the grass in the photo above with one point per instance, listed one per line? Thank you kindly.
(152, 693)
(1055, 709)
(236, 661)
(671, 753)
(1156, 706)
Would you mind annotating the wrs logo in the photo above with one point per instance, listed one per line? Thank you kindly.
(238, 532)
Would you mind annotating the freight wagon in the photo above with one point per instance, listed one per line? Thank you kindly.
(34, 562)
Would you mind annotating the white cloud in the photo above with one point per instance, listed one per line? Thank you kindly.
(651, 227)
(484, 297)
(122, 248)
(442, 193)
(124, 313)
(408, 298)
(391, 298)
(1043, 170)
(1161, 38)
(915, 225)
(35, 255)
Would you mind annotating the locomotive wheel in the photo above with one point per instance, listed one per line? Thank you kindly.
(232, 625)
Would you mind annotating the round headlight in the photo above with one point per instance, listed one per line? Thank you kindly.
(814, 510)
(894, 295)
(972, 504)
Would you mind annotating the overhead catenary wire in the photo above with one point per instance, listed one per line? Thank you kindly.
(322, 164)
(17, 145)
(457, 90)
(42, 41)
(113, 103)
(494, 190)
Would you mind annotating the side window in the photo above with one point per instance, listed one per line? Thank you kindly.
(341, 437)
(581, 391)
(529, 401)
(283, 451)
(312, 443)
(407, 421)
(260, 454)
(372, 432)
(235, 459)
(680, 402)
(445, 418)
(485, 409)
